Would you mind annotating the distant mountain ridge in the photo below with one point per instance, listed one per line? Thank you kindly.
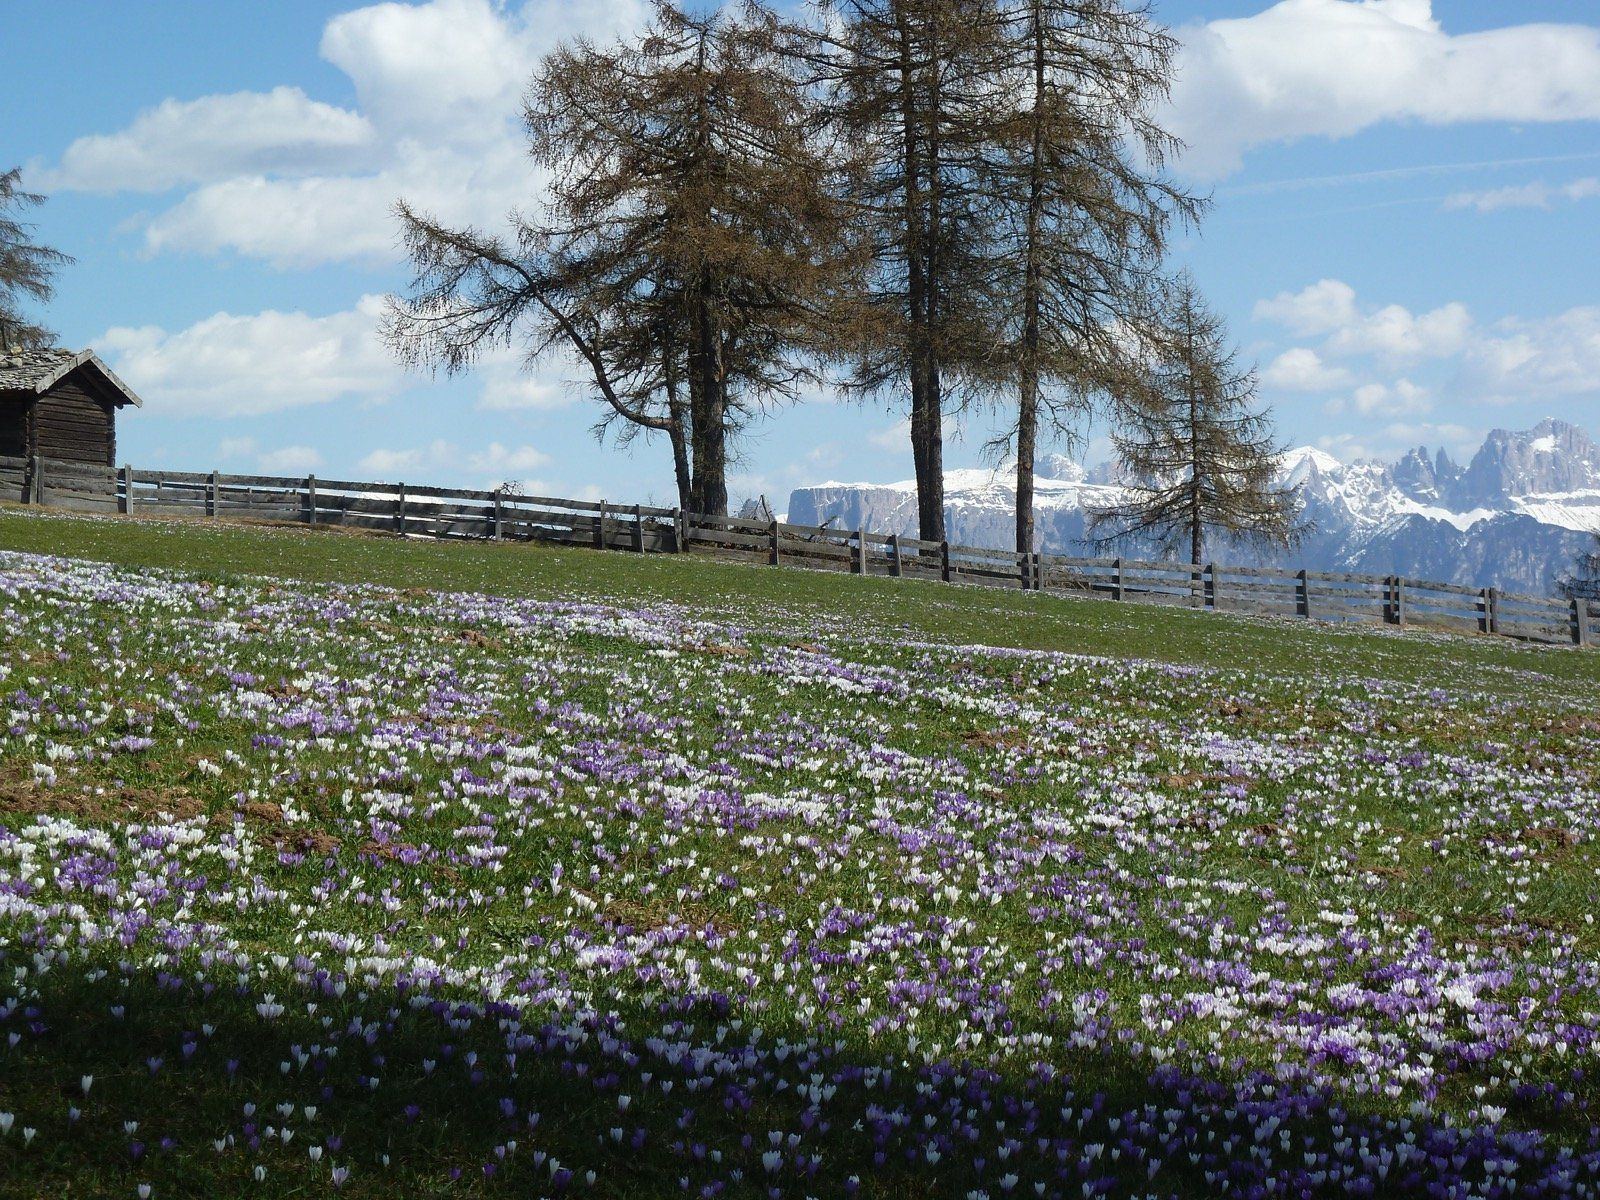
(1514, 517)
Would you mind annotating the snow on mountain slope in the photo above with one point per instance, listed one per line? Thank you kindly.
(1514, 517)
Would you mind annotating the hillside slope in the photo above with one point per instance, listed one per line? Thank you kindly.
(864, 608)
(562, 887)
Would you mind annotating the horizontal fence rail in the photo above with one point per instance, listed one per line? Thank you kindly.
(415, 510)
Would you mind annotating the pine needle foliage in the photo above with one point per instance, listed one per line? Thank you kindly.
(910, 84)
(1582, 582)
(691, 231)
(1075, 178)
(1198, 456)
(27, 269)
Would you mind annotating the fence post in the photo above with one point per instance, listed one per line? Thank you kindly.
(498, 517)
(1025, 570)
(1038, 571)
(36, 480)
(1483, 610)
(680, 531)
(1210, 596)
(894, 555)
(858, 558)
(1580, 621)
(1116, 578)
(126, 499)
(211, 495)
(638, 530)
(1197, 587)
(600, 528)
(1493, 596)
(944, 561)
(400, 509)
(1303, 595)
(773, 533)
(311, 499)
(1399, 600)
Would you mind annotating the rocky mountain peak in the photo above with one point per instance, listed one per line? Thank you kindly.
(1553, 457)
(1417, 475)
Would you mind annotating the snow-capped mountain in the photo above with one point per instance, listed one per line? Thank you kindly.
(1514, 517)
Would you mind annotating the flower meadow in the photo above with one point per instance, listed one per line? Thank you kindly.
(335, 889)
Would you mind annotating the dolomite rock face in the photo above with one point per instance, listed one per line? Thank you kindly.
(1514, 517)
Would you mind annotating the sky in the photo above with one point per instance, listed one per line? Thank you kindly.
(1405, 198)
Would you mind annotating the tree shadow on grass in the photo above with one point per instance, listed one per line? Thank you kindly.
(197, 1083)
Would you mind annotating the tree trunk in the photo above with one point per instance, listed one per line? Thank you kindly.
(677, 427)
(1028, 385)
(927, 450)
(708, 416)
(1196, 509)
(1027, 438)
(927, 432)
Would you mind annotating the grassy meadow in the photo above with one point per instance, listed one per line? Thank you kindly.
(347, 864)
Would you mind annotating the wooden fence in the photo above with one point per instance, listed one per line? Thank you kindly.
(458, 513)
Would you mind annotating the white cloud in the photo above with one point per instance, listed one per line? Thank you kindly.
(194, 141)
(1400, 399)
(1526, 359)
(390, 464)
(1515, 360)
(509, 385)
(1326, 305)
(1396, 332)
(439, 122)
(441, 67)
(1347, 447)
(236, 447)
(498, 460)
(229, 366)
(1331, 68)
(493, 464)
(325, 218)
(1393, 440)
(1302, 370)
(1527, 195)
(1393, 332)
(1460, 440)
(895, 437)
(289, 460)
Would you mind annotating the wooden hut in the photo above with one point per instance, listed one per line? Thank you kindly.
(58, 405)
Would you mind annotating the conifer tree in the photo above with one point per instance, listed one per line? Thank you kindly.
(691, 230)
(27, 269)
(913, 88)
(1075, 177)
(1582, 582)
(1197, 455)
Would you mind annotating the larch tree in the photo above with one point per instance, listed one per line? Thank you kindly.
(1075, 174)
(691, 230)
(911, 88)
(1582, 582)
(1197, 455)
(27, 269)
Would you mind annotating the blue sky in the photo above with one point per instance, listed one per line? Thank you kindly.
(1403, 235)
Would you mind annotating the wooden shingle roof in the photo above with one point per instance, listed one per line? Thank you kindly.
(38, 371)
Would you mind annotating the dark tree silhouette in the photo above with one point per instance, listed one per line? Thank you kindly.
(27, 269)
(1582, 582)
(911, 85)
(1197, 455)
(692, 229)
(1075, 178)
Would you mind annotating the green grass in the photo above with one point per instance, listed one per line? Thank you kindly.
(873, 606)
(771, 761)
